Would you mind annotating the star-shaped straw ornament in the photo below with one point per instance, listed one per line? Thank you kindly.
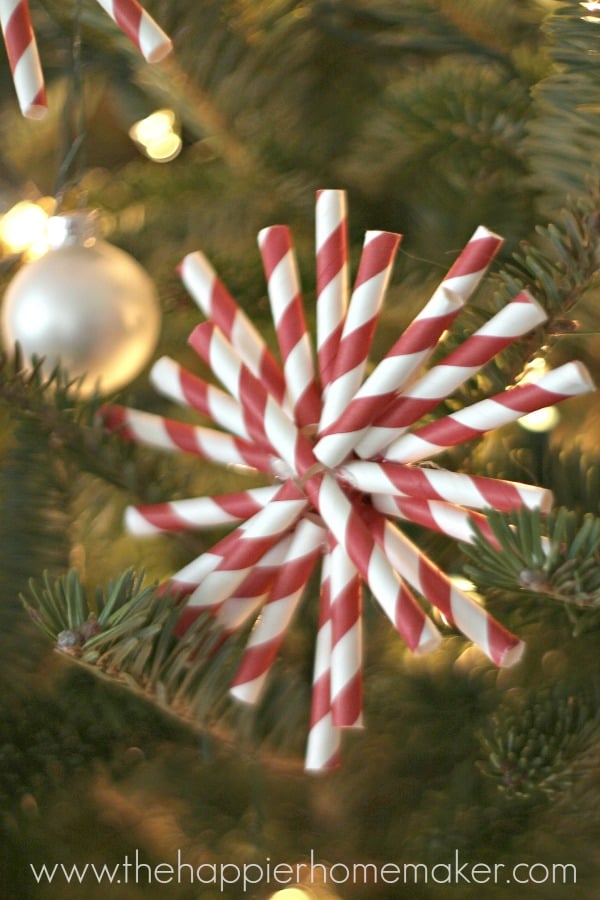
(24, 59)
(345, 458)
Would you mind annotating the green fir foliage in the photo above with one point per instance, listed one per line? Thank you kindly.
(563, 134)
(539, 563)
(536, 743)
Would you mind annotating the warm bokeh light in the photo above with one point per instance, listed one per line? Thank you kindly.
(541, 419)
(463, 583)
(23, 229)
(166, 149)
(154, 127)
(534, 370)
(293, 893)
(592, 7)
(157, 136)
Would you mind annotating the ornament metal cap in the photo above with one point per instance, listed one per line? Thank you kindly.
(76, 228)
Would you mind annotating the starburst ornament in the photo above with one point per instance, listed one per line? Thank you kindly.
(345, 455)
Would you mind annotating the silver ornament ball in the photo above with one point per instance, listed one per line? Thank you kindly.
(85, 304)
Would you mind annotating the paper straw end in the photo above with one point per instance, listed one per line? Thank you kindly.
(542, 314)
(429, 642)
(546, 502)
(482, 232)
(583, 375)
(35, 111)
(158, 53)
(512, 655)
(245, 693)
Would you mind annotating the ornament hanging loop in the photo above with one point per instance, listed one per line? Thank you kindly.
(76, 228)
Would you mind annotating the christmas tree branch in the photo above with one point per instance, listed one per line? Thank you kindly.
(558, 560)
(36, 495)
(429, 31)
(127, 634)
(564, 135)
(540, 744)
(68, 424)
(564, 264)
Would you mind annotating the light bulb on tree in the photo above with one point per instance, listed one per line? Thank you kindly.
(86, 305)
(293, 893)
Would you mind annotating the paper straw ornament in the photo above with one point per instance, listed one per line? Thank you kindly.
(447, 518)
(345, 457)
(23, 56)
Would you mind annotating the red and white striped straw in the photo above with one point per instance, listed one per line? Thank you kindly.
(23, 57)
(168, 434)
(333, 288)
(283, 285)
(348, 528)
(395, 369)
(476, 491)
(185, 581)
(221, 572)
(437, 515)
(346, 640)
(461, 610)
(447, 518)
(567, 381)
(236, 610)
(140, 28)
(251, 593)
(197, 512)
(264, 417)
(371, 282)
(214, 300)
(472, 262)
(241, 550)
(514, 320)
(269, 630)
(323, 744)
(176, 383)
